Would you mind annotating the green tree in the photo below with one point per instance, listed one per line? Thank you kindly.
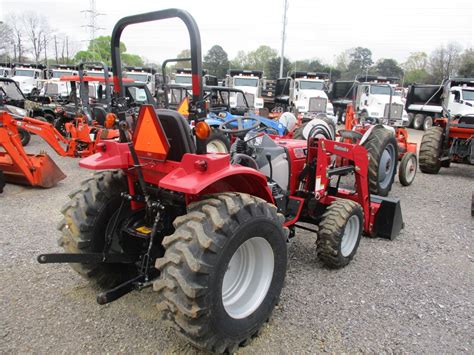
(466, 67)
(360, 61)
(416, 68)
(259, 59)
(216, 61)
(132, 59)
(444, 62)
(274, 68)
(388, 67)
(240, 61)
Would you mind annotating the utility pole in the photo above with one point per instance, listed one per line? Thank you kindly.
(92, 26)
(45, 53)
(67, 49)
(56, 49)
(283, 35)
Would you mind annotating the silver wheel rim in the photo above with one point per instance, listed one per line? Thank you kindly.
(386, 166)
(216, 146)
(351, 234)
(418, 121)
(410, 169)
(427, 123)
(248, 277)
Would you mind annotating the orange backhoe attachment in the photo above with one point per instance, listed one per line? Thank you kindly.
(20, 167)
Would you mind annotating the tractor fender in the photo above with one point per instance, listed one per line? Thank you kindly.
(371, 128)
(213, 173)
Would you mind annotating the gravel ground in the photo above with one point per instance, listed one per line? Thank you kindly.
(410, 295)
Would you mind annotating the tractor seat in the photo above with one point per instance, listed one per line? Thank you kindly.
(178, 132)
(352, 135)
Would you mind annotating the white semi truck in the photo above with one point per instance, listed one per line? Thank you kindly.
(375, 100)
(142, 75)
(304, 93)
(5, 70)
(424, 103)
(250, 82)
(29, 77)
(53, 86)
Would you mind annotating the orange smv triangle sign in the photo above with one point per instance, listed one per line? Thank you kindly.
(149, 139)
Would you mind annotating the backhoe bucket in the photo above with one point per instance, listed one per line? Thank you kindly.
(35, 170)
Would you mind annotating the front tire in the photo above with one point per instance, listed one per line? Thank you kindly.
(383, 158)
(340, 231)
(85, 222)
(430, 150)
(211, 287)
(407, 169)
(218, 142)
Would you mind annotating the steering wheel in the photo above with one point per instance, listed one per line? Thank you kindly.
(240, 131)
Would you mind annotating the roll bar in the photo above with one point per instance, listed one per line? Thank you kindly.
(197, 107)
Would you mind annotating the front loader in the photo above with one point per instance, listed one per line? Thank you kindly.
(209, 232)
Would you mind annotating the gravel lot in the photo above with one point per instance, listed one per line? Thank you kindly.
(413, 294)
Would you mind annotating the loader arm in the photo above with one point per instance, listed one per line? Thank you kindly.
(43, 129)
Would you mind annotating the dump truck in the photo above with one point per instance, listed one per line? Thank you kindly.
(250, 82)
(425, 103)
(28, 77)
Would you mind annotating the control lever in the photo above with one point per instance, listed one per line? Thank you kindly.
(269, 159)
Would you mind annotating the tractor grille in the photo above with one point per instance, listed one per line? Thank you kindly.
(250, 99)
(396, 113)
(317, 104)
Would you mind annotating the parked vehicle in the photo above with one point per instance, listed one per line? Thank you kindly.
(374, 99)
(5, 70)
(29, 77)
(211, 236)
(341, 94)
(303, 93)
(425, 103)
(250, 82)
(142, 75)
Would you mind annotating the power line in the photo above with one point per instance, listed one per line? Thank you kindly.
(92, 25)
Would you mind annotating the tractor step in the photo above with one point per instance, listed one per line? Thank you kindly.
(87, 258)
(343, 170)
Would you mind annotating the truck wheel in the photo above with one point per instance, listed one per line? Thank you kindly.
(25, 137)
(418, 121)
(430, 150)
(223, 270)
(340, 231)
(407, 169)
(427, 123)
(411, 117)
(341, 118)
(49, 117)
(84, 225)
(218, 142)
(383, 158)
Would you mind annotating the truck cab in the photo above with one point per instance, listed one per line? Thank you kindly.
(142, 75)
(29, 77)
(304, 93)
(250, 82)
(374, 95)
(461, 99)
(53, 86)
(5, 70)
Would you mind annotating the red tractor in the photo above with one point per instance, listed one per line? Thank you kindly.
(210, 231)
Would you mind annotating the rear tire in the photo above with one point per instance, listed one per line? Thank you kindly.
(383, 158)
(218, 142)
(430, 150)
(84, 225)
(418, 121)
(407, 169)
(340, 231)
(199, 288)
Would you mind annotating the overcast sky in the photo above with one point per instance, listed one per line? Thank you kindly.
(316, 29)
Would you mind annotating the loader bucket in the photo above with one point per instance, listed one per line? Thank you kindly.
(31, 169)
(389, 219)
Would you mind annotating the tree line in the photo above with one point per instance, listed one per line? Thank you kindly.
(28, 37)
(443, 62)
